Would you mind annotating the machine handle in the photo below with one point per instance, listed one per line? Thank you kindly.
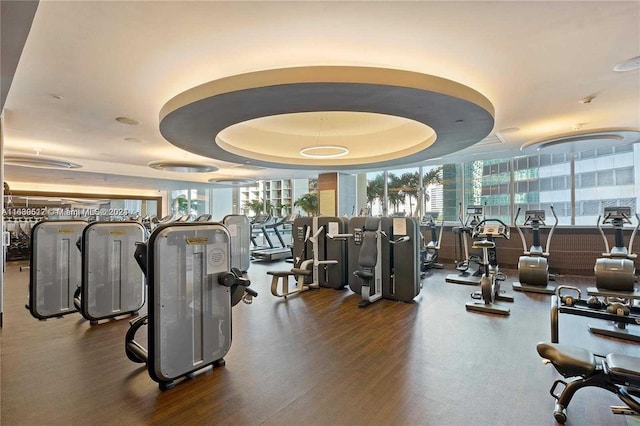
(633, 235)
(339, 236)
(604, 238)
(515, 223)
(400, 240)
(553, 228)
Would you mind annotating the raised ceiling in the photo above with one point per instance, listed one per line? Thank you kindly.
(86, 63)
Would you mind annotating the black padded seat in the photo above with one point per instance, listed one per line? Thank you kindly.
(365, 275)
(624, 368)
(304, 272)
(570, 361)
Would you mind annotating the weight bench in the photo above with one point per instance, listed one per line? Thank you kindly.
(617, 373)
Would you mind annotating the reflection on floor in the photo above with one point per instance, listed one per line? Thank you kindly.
(315, 358)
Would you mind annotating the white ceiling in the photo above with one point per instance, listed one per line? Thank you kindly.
(533, 61)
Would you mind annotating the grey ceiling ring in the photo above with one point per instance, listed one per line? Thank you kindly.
(459, 115)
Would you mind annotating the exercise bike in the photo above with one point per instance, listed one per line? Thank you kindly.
(533, 267)
(491, 276)
(474, 215)
(617, 373)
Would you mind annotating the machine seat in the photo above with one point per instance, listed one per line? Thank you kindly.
(365, 275)
(570, 361)
(624, 368)
(304, 272)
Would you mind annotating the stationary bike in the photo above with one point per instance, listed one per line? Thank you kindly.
(491, 276)
(533, 268)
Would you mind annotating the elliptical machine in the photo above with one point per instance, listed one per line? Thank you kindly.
(475, 213)
(615, 274)
(533, 268)
(491, 276)
(615, 270)
(429, 252)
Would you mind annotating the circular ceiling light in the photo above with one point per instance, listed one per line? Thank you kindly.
(234, 181)
(628, 65)
(324, 151)
(40, 162)
(583, 140)
(195, 119)
(182, 167)
(127, 120)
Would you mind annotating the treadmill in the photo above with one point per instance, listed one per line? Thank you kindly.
(273, 253)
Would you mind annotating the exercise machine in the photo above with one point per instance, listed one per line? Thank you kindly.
(616, 373)
(239, 228)
(614, 307)
(320, 259)
(488, 230)
(54, 267)
(369, 261)
(615, 274)
(384, 258)
(273, 253)
(615, 270)
(533, 266)
(192, 288)
(257, 229)
(112, 285)
(475, 213)
(429, 252)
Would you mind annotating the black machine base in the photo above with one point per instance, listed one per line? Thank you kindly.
(547, 289)
(488, 308)
(613, 331)
(465, 278)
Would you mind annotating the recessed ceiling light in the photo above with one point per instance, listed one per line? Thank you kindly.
(182, 167)
(582, 140)
(628, 65)
(324, 151)
(56, 97)
(234, 182)
(133, 140)
(127, 120)
(39, 161)
(587, 99)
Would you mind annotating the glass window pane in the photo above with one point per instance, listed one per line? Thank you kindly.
(624, 176)
(603, 184)
(605, 178)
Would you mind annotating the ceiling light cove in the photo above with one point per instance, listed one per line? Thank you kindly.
(343, 138)
(377, 117)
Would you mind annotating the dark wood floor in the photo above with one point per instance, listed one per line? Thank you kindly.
(314, 359)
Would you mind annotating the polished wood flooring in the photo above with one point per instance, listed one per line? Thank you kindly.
(313, 359)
